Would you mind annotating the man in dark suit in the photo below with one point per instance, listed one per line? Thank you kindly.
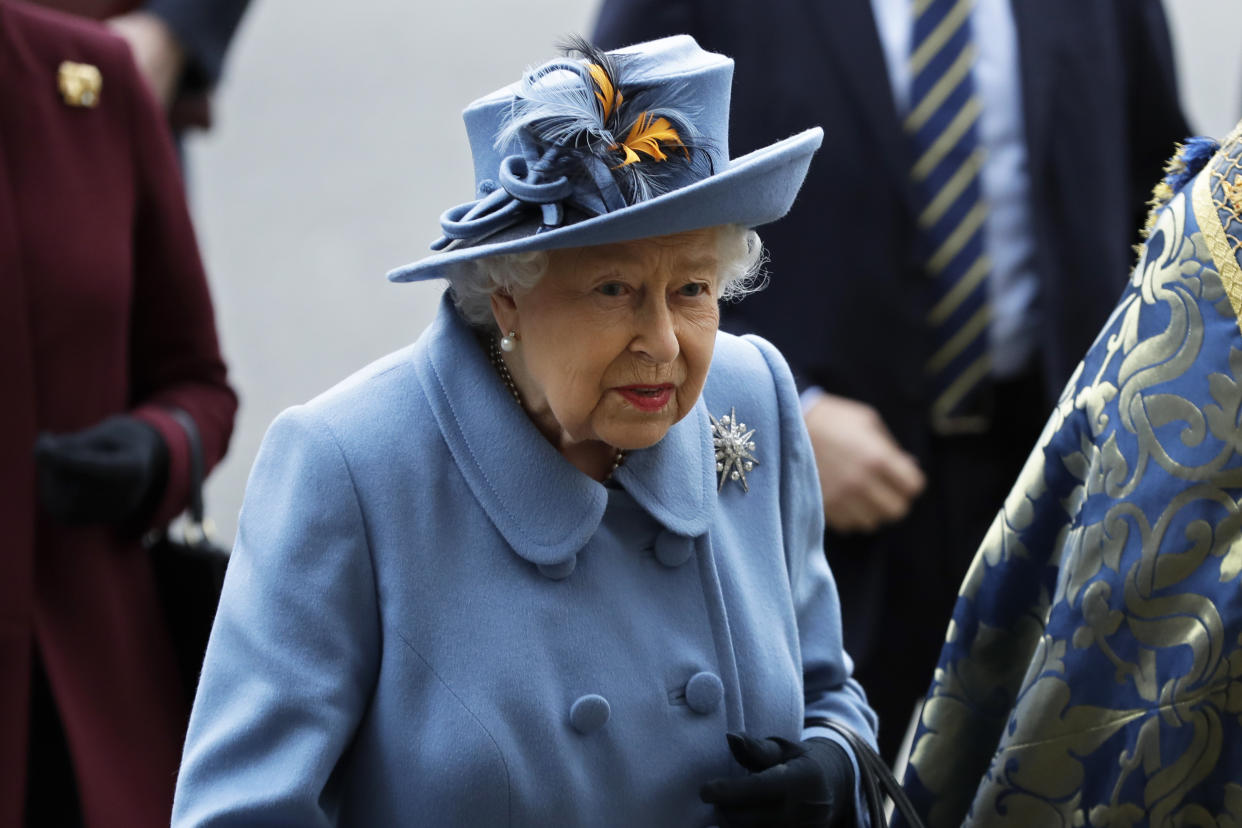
(962, 235)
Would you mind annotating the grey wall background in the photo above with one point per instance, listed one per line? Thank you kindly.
(1207, 37)
(338, 143)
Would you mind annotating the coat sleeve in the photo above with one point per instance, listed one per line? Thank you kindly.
(175, 357)
(829, 690)
(205, 29)
(294, 652)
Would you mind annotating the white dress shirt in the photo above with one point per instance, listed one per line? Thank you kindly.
(1005, 179)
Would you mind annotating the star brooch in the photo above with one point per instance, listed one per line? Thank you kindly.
(734, 449)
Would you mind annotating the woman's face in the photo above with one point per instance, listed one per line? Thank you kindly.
(614, 342)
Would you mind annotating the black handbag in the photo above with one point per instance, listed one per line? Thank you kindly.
(189, 571)
(877, 781)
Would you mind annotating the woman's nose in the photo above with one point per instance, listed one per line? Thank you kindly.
(656, 336)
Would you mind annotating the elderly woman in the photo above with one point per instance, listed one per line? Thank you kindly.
(534, 568)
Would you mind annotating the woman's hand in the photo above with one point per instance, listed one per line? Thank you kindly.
(112, 473)
(806, 784)
(867, 479)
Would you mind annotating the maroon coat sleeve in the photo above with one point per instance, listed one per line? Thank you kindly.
(175, 360)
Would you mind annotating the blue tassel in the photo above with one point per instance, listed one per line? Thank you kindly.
(1191, 157)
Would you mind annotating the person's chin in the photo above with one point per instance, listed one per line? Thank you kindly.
(638, 432)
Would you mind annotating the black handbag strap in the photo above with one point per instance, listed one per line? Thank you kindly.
(877, 781)
(197, 524)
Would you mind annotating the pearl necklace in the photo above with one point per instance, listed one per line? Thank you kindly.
(498, 362)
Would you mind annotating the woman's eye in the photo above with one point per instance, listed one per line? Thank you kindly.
(693, 289)
(612, 289)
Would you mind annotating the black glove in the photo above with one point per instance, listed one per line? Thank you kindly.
(806, 784)
(114, 473)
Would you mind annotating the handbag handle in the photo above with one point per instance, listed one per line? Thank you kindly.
(877, 780)
(198, 529)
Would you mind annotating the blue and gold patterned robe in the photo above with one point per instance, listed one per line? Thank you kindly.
(1092, 672)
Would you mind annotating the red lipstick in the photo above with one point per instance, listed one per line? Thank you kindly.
(647, 397)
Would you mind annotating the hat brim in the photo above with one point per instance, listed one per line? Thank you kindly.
(756, 188)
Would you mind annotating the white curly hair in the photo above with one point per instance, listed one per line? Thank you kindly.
(472, 283)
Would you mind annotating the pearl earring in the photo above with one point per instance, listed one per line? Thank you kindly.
(508, 342)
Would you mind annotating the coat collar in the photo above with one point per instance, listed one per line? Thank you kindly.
(675, 480)
(545, 508)
(849, 28)
(1040, 26)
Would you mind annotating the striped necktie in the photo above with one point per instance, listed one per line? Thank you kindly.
(944, 135)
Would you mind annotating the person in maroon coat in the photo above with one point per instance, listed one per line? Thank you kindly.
(105, 325)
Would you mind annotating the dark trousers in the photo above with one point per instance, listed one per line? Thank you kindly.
(898, 586)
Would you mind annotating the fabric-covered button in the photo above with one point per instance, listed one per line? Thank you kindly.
(704, 692)
(589, 713)
(560, 571)
(673, 550)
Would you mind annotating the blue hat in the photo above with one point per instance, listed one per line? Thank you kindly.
(610, 147)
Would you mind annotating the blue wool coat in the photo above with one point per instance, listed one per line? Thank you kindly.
(432, 618)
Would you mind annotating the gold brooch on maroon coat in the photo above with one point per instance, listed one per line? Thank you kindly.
(80, 84)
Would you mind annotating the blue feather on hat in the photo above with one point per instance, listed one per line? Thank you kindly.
(589, 108)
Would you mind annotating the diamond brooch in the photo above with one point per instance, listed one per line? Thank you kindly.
(734, 449)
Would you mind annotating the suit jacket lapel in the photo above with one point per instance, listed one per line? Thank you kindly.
(854, 49)
(1037, 50)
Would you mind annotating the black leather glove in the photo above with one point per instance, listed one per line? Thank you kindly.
(805, 784)
(113, 473)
